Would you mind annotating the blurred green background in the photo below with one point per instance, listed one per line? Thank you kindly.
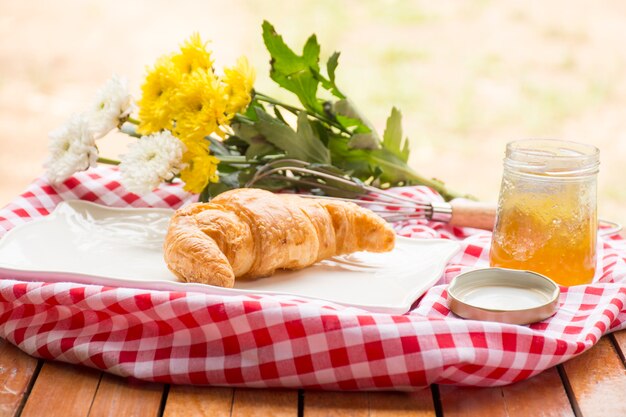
(469, 76)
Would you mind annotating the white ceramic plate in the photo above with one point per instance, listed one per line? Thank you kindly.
(92, 244)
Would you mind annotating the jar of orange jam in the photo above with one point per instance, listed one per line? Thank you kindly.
(547, 212)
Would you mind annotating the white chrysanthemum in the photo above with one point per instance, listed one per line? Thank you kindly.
(150, 161)
(72, 149)
(112, 105)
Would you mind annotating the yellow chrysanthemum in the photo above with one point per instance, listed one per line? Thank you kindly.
(193, 56)
(199, 106)
(239, 81)
(201, 166)
(183, 94)
(155, 112)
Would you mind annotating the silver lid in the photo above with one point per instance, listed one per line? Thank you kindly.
(503, 295)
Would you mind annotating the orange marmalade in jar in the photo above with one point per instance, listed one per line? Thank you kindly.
(547, 211)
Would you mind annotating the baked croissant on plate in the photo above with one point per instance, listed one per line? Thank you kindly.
(250, 233)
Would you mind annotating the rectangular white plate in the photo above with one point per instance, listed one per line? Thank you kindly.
(93, 244)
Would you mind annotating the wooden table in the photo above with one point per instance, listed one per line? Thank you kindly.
(593, 384)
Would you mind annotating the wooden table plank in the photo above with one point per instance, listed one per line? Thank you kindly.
(372, 404)
(470, 402)
(543, 395)
(336, 404)
(400, 404)
(598, 381)
(16, 373)
(116, 397)
(62, 390)
(620, 343)
(265, 403)
(187, 400)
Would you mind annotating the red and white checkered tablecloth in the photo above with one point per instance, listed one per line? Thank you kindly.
(269, 341)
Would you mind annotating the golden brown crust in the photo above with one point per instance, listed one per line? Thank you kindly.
(283, 236)
(192, 255)
(358, 229)
(250, 233)
(230, 233)
(322, 222)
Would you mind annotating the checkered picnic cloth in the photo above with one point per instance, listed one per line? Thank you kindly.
(280, 341)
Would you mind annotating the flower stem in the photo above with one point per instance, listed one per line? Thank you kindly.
(205, 195)
(271, 100)
(236, 159)
(132, 120)
(243, 119)
(130, 131)
(296, 110)
(108, 161)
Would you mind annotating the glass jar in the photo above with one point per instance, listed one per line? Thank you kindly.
(547, 212)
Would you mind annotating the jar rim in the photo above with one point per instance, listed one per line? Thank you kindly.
(552, 158)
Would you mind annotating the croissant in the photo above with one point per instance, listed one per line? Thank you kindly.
(250, 233)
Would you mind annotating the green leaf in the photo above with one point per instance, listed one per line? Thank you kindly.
(285, 60)
(279, 115)
(292, 71)
(392, 138)
(311, 53)
(347, 109)
(311, 142)
(259, 147)
(321, 130)
(351, 123)
(217, 147)
(227, 168)
(364, 135)
(377, 163)
(331, 66)
(355, 161)
(364, 141)
(245, 131)
(231, 180)
(234, 141)
(250, 113)
(329, 83)
(227, 182)
(304, 144)
(256, 145)
(304, 85)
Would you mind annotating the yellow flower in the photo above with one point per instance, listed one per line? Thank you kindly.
(239, 81)
(201, 166)
(155, 112)
(183, 94)
(193, 55)
(199, 106)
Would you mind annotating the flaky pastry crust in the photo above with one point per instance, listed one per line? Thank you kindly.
(250, 233)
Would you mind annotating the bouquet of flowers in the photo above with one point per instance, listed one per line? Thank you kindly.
(213, 131)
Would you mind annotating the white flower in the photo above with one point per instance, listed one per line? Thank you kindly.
(150, 161)
(72, 149)
(112, 105)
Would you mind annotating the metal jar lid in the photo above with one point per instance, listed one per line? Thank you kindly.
(503, 295)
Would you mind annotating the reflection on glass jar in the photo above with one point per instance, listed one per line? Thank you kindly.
(547, 215)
